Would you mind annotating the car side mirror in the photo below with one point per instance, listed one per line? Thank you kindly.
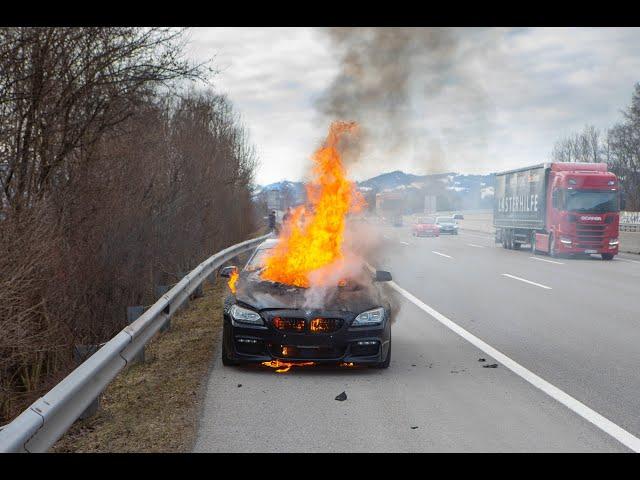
(382, 276)
(226, 272)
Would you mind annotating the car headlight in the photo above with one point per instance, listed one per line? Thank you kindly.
(613, 241)
(245, 317)
(370, 317)
(565, 240)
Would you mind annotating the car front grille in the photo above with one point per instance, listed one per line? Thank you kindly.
(590, 235)
(315, 325)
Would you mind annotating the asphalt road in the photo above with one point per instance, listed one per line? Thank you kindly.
(575, 323)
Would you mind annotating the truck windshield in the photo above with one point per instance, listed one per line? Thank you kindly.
(591, 201)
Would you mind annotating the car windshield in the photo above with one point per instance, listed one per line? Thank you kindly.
(445, 220)
(425, 220)
(257, 261)
(591, 201)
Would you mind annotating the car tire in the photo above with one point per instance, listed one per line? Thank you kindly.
(607, 256)
(227, 361)
(387, 361)
(516, 245)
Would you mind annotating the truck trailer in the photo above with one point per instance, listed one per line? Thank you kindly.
(558, 208)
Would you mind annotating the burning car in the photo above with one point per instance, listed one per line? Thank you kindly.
(425, 226)
(267, 321)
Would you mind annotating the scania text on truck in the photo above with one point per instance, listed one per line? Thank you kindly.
(558, 208)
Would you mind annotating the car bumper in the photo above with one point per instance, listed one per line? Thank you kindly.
(360, 346)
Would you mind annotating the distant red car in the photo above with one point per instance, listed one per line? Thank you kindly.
(426, 227)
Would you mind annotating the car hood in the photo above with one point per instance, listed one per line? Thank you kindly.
(262, 295)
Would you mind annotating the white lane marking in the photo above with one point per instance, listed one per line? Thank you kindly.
(441, 254)
(545, 260)
(554, 392)
(526, 281)
(474, 245)
(405, 243)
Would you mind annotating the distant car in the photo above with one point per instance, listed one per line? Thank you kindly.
(426, 227)
(265, 321)
(458, 216)
(447, 225)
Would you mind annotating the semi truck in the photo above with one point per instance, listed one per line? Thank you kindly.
(558, 208)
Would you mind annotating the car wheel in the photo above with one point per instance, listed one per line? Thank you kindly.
(607, 256)
(387, 361)
(227, 361)
(516, 245)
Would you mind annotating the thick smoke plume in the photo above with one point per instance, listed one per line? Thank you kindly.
(397, 83)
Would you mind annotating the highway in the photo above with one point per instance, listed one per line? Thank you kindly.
(572, 325)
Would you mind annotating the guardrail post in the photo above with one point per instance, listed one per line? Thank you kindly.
(161, 290)
(80, 354)
(133, 313)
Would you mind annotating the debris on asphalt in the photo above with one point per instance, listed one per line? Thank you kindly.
(413, 428)
(239, 385)
(413, 364)
(493, 365)
(342, 397)
(482, 359)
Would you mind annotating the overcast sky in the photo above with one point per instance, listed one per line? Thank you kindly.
(502, 101)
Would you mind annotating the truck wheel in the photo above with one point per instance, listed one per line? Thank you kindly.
(516, 245)
(607, 256)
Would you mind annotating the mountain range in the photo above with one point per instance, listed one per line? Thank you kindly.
(400, 180)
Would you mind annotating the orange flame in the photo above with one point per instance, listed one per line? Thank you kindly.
(312, 239)
(232, 281)
(284, 367)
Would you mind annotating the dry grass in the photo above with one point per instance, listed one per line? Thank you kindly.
(153, 406)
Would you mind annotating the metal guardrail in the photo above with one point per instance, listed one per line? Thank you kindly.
(48, 418)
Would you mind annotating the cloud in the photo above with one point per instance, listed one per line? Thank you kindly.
(507, 95)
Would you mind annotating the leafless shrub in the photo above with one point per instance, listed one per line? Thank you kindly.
(109, 186)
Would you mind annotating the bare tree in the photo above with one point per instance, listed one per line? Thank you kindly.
(112, 180)
(623, 141)
(584, 146)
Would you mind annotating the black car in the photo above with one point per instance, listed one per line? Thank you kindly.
(267, 321)
(447, 225)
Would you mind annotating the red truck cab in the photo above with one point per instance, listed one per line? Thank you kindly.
(583, 210)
